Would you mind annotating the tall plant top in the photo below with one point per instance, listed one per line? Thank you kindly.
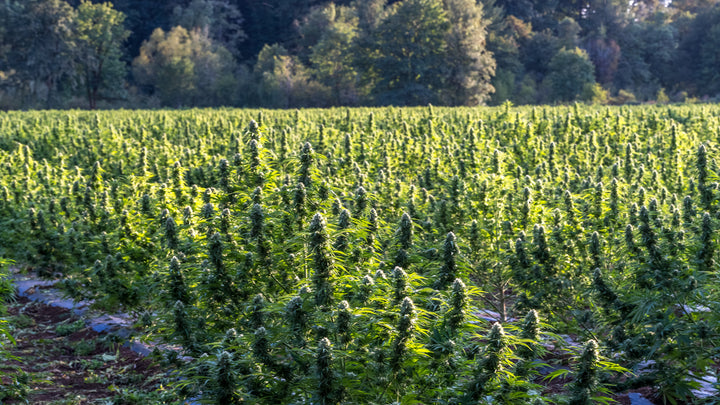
(414, 255)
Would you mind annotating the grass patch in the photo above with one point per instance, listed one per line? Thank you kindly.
(69, 328)
(84, 347)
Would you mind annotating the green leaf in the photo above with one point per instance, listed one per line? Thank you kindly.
(557, 373)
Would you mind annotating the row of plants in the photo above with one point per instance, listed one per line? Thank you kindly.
(14, 381)
(345, 256)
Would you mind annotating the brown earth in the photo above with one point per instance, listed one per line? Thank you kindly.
(82, 367)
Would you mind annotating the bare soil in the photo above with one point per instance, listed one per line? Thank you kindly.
(82, 367)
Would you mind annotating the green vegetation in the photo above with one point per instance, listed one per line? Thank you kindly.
(65, 329)
(345, 256)
(13, 382)
(323, 53)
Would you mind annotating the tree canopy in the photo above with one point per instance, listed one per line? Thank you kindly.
(185, 68)
(99, 37)
(85, 53)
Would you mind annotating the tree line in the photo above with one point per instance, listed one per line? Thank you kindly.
(314, 53)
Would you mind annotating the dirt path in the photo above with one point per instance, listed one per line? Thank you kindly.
(63, 362)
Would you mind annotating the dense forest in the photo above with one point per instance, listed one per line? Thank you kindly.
(286, 54)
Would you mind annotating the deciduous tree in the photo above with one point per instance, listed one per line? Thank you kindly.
(470, 65)
(38, 47)
(221, 20)
(99, 37)
(332, 54)
(570, 71)
(185, 68)
(283, 81)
